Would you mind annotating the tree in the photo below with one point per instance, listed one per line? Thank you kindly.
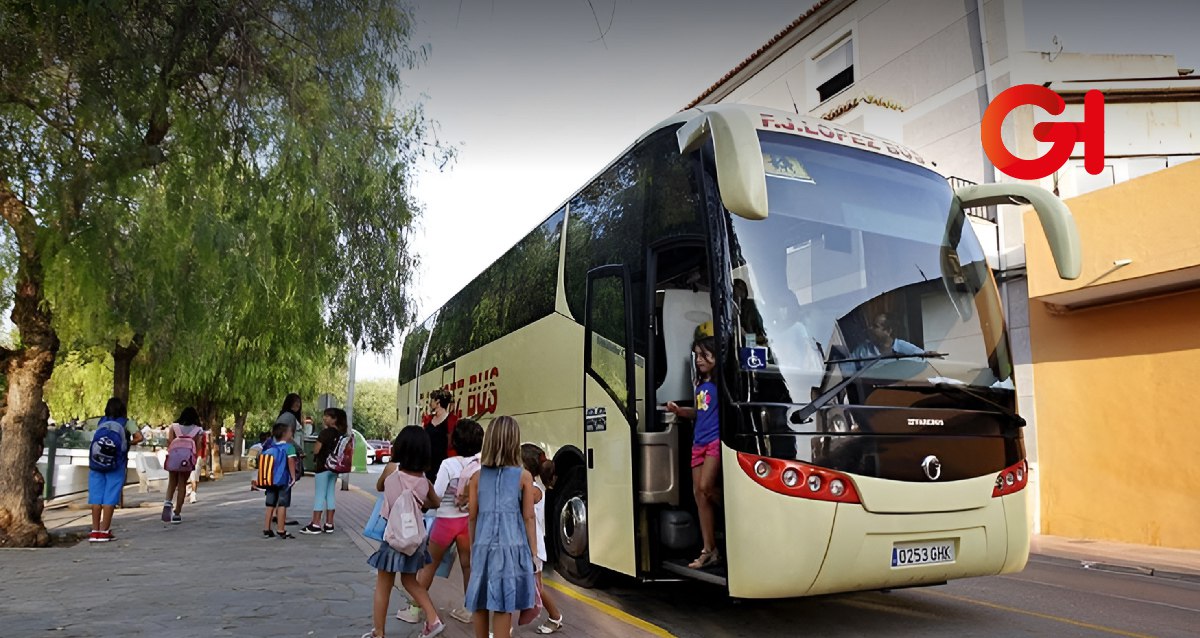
(375, 409)
(114, 117)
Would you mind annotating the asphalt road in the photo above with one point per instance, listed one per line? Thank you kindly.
(1052, 597)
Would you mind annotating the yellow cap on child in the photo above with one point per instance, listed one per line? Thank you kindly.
(703, 330)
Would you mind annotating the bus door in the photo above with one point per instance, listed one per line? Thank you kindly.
(610, 401)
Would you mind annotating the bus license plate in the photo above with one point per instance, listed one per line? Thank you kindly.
(922, 553)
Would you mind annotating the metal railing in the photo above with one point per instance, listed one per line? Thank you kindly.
(982, 212)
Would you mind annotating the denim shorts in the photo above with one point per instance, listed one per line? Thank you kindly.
(279, 496)
(104, 488)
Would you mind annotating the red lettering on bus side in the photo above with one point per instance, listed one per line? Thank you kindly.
(766, 119)
(826, 131)
(871, 144)
(856, 139)
(787, 126)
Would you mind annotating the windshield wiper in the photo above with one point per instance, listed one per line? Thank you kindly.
(961, 389)
(831, 393)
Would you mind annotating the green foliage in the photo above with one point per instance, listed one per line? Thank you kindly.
(375, 409)
(227, 179)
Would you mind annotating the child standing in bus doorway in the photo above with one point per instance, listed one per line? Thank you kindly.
(706, 445)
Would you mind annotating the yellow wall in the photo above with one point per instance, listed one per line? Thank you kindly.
(1116, 386)
(1116, 390)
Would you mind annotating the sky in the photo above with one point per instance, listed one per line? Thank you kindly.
(537, 104)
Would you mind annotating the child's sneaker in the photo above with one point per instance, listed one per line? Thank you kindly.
(176, 519)
(329, 529)
(268, 533)
(105, 536)
(166, 514)
(434, 630)
(461, 615)
(412, 615)
(94, 536)
(310, 529)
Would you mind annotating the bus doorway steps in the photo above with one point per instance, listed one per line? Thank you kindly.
(715, 575)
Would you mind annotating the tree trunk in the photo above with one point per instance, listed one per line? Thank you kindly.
(24, 423)
(239, 434)
(210, 418)
(122, 362)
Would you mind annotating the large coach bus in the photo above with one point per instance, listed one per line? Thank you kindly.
(868, 430)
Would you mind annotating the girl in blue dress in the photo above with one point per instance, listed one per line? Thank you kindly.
(501, 524)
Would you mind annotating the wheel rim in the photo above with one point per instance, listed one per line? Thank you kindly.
(572, 527)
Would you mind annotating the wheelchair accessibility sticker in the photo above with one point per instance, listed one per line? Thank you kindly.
(753, 358)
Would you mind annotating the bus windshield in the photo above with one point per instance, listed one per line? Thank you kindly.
(863, 268)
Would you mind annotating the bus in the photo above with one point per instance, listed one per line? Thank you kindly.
(868, 431)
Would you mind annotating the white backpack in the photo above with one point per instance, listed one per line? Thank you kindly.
(405, 529)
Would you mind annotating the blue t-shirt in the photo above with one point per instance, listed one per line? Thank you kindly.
(707, 428)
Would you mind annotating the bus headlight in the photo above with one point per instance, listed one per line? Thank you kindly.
(762, 469)
(814, 482)
(836, 487)
(791, 477)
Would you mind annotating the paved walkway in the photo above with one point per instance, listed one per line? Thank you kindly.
(215, 575)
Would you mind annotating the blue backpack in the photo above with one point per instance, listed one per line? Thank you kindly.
(273, 465)
(107, 452)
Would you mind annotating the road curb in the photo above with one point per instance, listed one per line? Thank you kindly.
(1140, 571)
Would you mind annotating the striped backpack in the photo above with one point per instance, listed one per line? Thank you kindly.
(273, 465)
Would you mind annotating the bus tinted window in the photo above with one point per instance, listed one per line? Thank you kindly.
(605, 226)
(513, 292)
(675, 207)
(410, 352)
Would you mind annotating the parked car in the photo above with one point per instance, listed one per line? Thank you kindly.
(379, 451)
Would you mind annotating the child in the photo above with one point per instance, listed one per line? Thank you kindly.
(105, 486)
(187, 427)
(280, 498)
(450, 526)
(502, 530)
(706, 448)
(325, 490)
(410, 456)
(542, 470)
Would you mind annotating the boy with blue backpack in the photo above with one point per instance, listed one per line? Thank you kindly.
(276, 475)
(108, 458)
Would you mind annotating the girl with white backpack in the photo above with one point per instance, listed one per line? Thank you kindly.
(406, 491)
(450, 526)
(182, 458)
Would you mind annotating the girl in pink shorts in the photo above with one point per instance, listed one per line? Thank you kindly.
(706, 449)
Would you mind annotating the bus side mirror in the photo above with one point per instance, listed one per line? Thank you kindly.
(740, 174)
(1055, 217)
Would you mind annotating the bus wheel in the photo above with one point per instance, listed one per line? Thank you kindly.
(571, 533)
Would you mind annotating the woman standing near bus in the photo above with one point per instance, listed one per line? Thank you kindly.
(706, 446)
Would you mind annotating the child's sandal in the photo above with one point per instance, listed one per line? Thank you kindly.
(551, 625)
(706, 559)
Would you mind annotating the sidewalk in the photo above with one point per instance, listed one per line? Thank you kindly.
(1180, 564)
(215, 575)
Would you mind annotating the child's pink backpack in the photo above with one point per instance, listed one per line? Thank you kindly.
(469, 469)
(181, 452)
(405, 530)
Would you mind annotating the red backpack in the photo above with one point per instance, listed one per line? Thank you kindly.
(341, 458)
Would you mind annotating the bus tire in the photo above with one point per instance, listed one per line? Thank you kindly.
(569, 524)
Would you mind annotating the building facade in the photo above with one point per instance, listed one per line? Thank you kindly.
(922, 72)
